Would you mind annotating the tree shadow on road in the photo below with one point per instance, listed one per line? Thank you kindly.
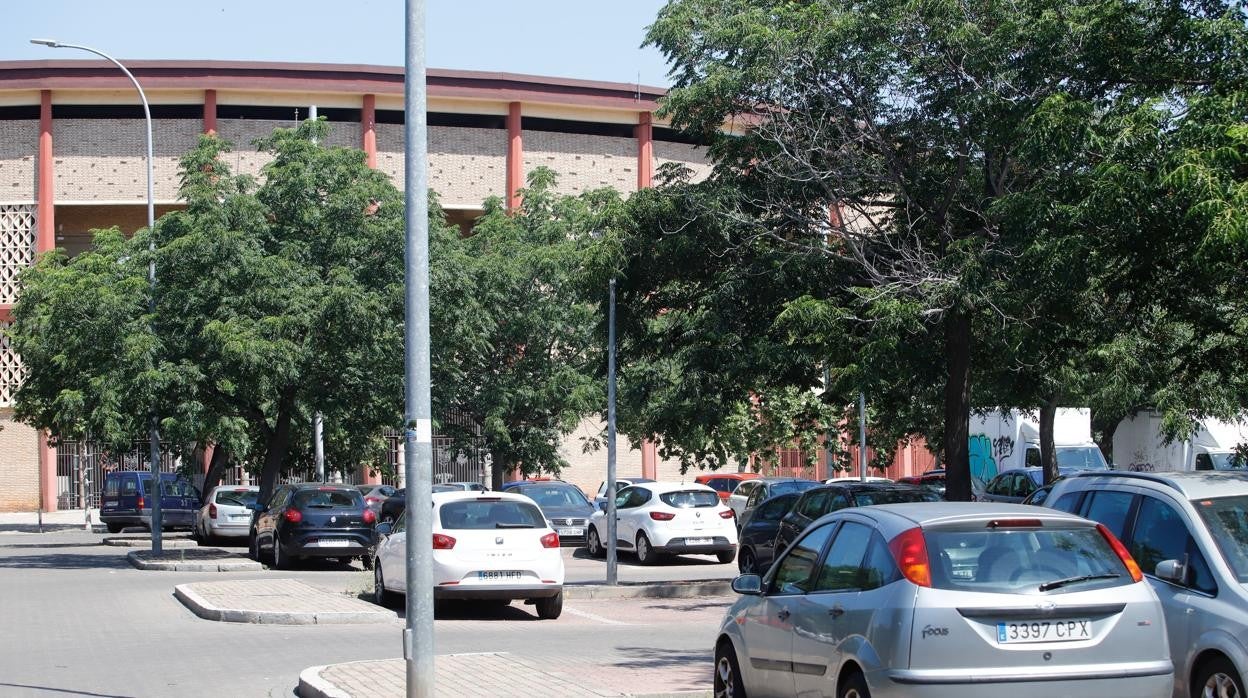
(65, 561)
(659, 658)
(61, 690)
(721, 604)
(466, 610)
(44, 546)
(628, 559)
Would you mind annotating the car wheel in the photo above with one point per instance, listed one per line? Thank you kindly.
(381, 595)
(368, 560)
(725, 556)
(855, 686)
(727, 674)
(645, 551)
(279, 560)
(550, 607)
(1218, 679)
(115, 527)
(593, 544)
(746, 562)
(253, 547)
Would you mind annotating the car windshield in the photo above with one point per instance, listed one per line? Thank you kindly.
(1228, 461)
(1023, 560)
(690, 499)
(238, 498)
(477, 514)
(1081, 458)
(328, 499)
(789, 486)
(1227, 521)
(555, 496)
(898, 496)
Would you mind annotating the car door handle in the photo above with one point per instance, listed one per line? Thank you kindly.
(836, 611)
(783, 614)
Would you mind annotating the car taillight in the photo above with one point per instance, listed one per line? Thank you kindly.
(293, 515)
(369, 516)
(1121, 551)
(661, 516)
(442, 542)
(212, 511)
(909, 550)
(371, 500)
(550, 540)
(140, 502)
(727, 514)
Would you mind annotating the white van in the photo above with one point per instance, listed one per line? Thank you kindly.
(1139, 445)
(1001, 441)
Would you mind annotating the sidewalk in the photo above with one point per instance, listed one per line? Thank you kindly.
(502, 674)
(28, 521)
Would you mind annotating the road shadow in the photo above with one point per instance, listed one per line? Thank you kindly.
(652, 658)
(66, 691)
(626, 558)
(47, 528)
(44, 546)
(65, 561)
(465, 610)
(690, 607)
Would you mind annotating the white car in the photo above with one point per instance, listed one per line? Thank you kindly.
(657, 518)
(225, 513)
(870, 478)
(492, 546)
(600, 498)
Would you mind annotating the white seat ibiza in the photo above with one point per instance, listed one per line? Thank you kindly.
(493, 546)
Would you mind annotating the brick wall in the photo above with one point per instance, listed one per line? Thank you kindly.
(583, 162)
(19, 143)
(19, 465)
(104, 159)
(691, 156)
(466, 165)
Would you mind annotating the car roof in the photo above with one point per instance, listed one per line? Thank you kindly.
(932, 513)
(1190, 485)
(458, 495)
(237, 488)
(731, 476)
(320, 485)
(772, 480)
(868, 486)
(663, 487)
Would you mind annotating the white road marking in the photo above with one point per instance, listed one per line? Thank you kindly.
(594, 616)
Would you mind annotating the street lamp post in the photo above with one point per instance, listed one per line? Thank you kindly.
(612, 570)
(153, 431)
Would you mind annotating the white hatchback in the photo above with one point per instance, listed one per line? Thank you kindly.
(493, 546)
(657, 518)
(225, 513)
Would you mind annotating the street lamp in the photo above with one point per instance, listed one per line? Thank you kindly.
(153, 432)
(612, 567)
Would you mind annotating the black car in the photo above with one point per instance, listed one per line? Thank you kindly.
(756, 547)
(822, 500)
(313, 520)
(563, 504)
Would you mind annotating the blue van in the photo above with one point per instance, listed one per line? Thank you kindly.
(127, 500)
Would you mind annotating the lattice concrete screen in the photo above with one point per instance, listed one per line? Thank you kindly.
(17, 246)
(10, 369)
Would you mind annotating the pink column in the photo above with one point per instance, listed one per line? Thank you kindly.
(210, 112)
(645, 179)
(368, 126)
(515, 156)
(368, 477)
(45, 240)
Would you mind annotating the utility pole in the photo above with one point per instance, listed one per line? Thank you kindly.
(612, 563)
(862, 437)
(318, 435)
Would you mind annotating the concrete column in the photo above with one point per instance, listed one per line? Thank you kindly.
(210, 112)
(368, 129)
(368, 477)
(645, 179)
(45, 240)
(515, 156)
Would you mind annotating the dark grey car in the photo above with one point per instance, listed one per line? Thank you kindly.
(563, 504)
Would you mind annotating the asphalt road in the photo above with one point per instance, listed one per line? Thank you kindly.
(77, 620)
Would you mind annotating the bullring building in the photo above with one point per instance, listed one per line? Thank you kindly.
(72, 152)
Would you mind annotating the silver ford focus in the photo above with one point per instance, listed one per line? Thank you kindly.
(946, 599)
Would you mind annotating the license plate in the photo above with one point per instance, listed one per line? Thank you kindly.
(1044, 631)
(698, 541)
(500, 574)
(239, 517)
(332, 542)
(571, 532)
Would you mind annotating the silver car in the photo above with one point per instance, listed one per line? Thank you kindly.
(1189, 532)
(946, 599)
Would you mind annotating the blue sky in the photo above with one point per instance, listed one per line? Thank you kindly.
(588, 39)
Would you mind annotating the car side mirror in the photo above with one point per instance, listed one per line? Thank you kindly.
(383, 529)
(748, 585)
(602, 506)
(1171, 571)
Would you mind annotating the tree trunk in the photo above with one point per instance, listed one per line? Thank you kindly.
(1106, 428)
(958, 406)
(497, 464)
(212, 478)
(1048, 452)
(275, 454)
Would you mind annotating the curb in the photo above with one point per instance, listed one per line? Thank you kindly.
(311, 685)
(202, 608)
(147, 543)
(650, 590)
(225, 564)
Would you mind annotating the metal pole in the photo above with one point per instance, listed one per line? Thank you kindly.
(827, 435)
(153, 433)
(318, 435)
(862, 437)
(612, 567)
(418, 431)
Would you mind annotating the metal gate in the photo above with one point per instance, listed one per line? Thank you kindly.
(76, 472)
(450, 464)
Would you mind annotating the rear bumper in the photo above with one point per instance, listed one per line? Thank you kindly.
(355, 542)
(1143, 679)
(169, 518)
(121, 517)
(229, 530)
(679, 546)
(496, 592)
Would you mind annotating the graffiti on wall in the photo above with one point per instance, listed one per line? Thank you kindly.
(983, 465)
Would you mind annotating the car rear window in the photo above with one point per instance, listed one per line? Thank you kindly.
(329, 499)
(554, 495)
(1022, 560)
(476, 514)
(901, 496)
(690, 499)
(236, 498)
(790, 486)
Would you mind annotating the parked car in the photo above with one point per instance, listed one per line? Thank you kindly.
(935, 480)
(492, 546)
(313, 520)
(1040, 494)
(600, 498)
(392, 507)
(724, 483)
(757, 539)
(661, 518)
(128, 495)
(946, 599)
(374, 495)
(1189, 533)
(225, 513)
(564, 505)
(465, 486)
(1013, 486)
(825, 499)
(754, 492)
(850, 478)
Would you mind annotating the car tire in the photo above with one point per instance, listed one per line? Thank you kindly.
(593, 544)
(279, 560)
(115, 527)
(645, 551)
(253, 547)
(368, 560)
(381, 595)
(727, 682)
(1218, 677)
(550, 607)
(855, 686)
(726, 556)
(747, 563)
